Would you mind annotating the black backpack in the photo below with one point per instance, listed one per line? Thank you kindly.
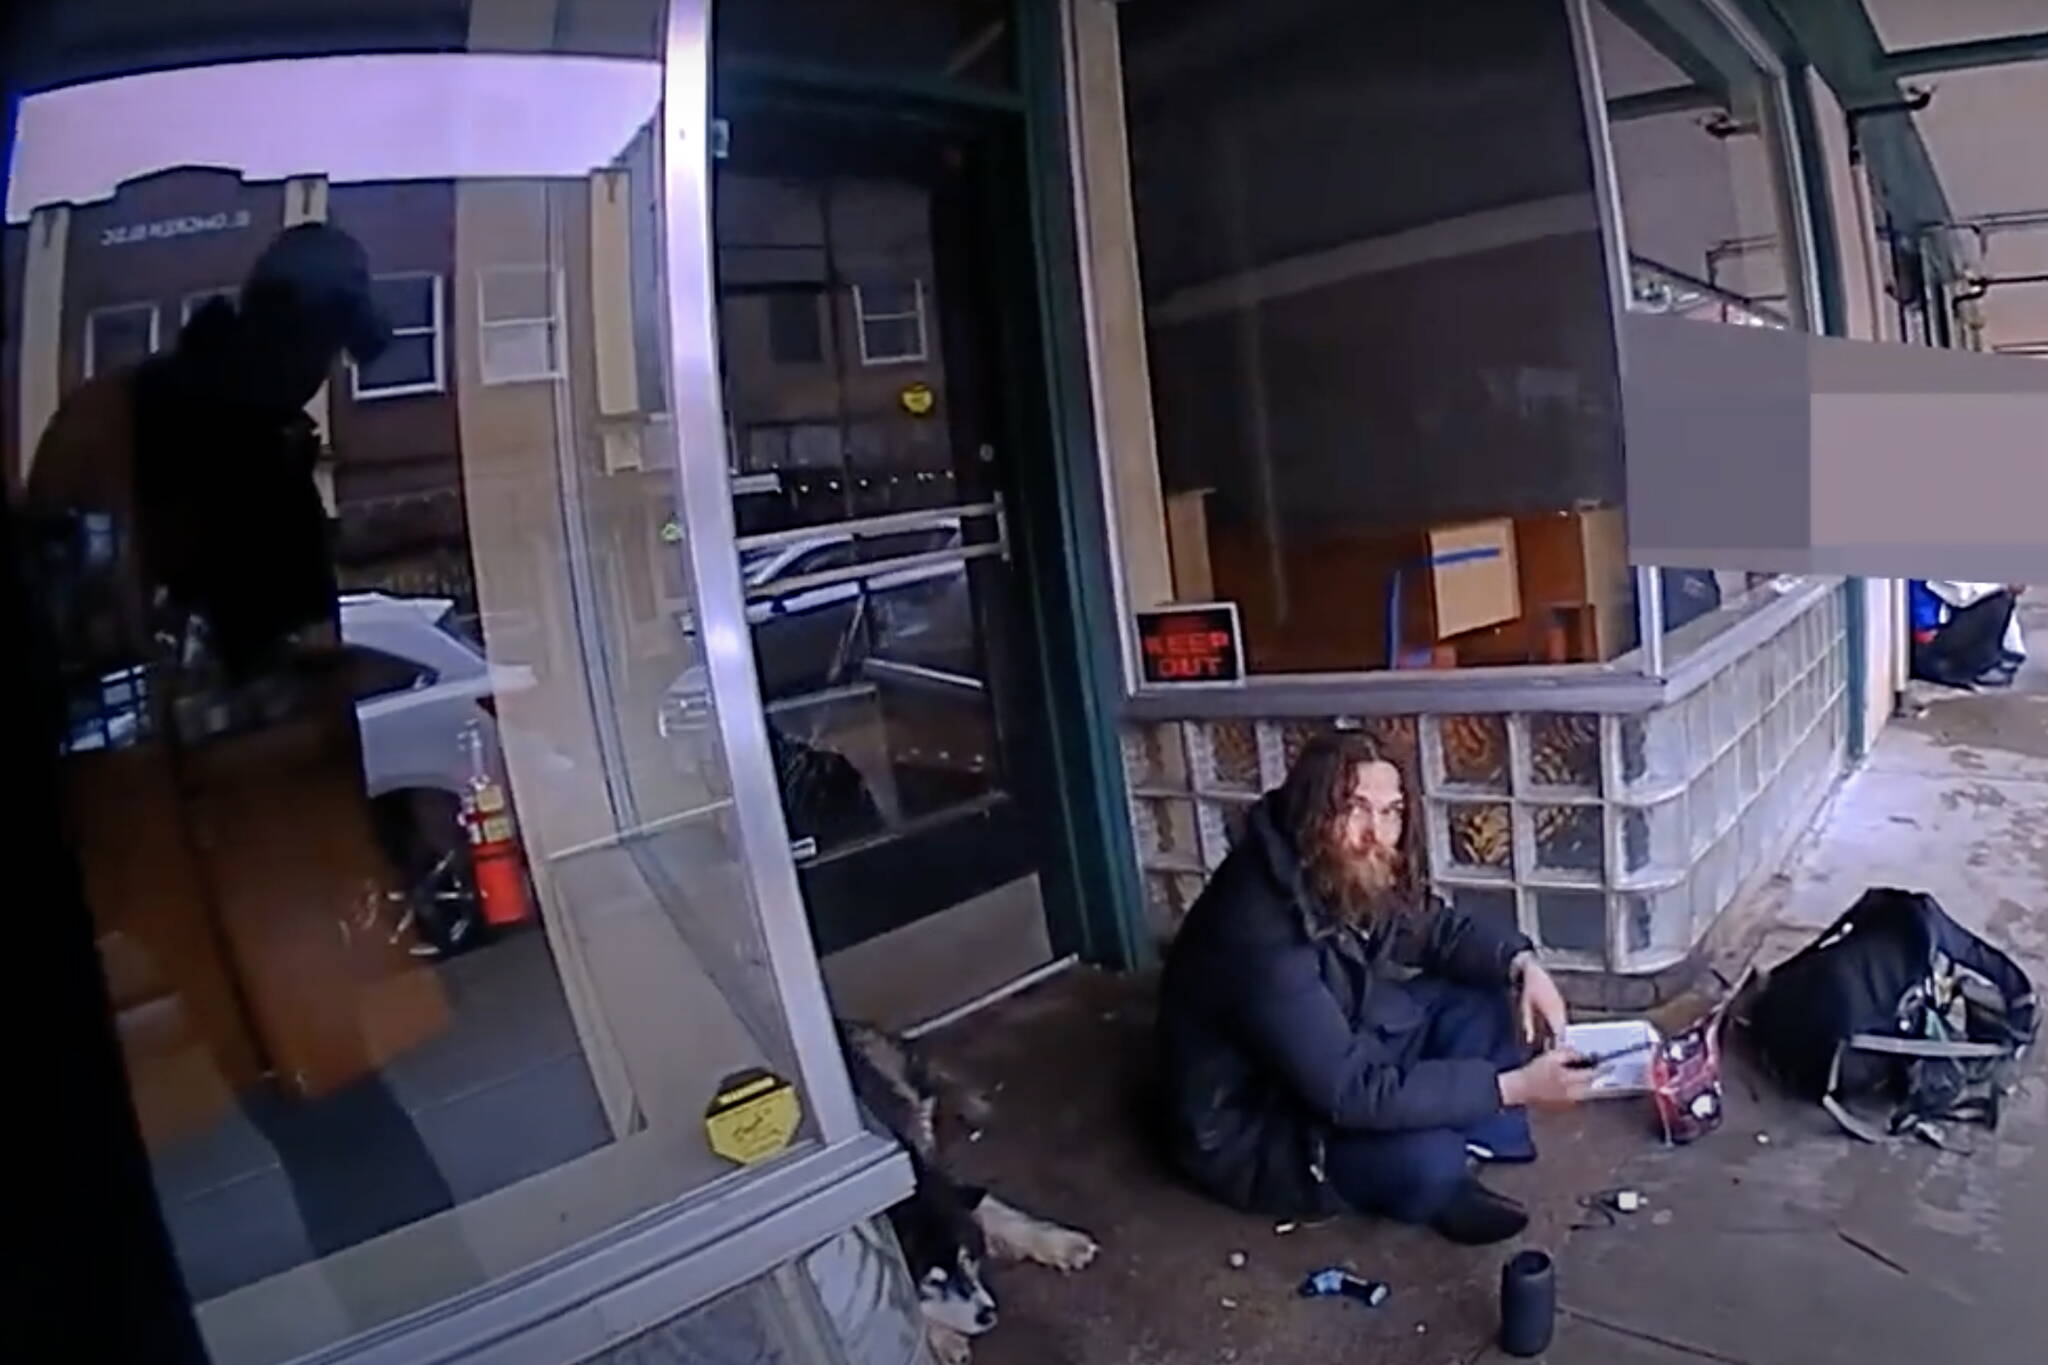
(1897, 1001)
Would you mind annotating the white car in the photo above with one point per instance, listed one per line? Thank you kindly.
(425, 700)
(420, 688)
(426, 706)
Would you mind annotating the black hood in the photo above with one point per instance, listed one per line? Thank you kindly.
(1270, 831)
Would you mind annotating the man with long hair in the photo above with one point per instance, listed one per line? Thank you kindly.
(1333, 1038)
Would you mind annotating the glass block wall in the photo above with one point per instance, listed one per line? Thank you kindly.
(1613, 841)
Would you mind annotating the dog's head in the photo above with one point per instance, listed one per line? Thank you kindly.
(947, 1252)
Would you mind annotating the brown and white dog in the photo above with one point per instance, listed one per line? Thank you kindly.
(950, 1231)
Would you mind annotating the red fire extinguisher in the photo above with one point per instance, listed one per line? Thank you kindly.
(493, 849)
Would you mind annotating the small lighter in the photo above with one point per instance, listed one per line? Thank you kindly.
(1337, 1280)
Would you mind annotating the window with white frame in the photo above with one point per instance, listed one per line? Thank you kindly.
(118, 336)
(197, 300)
(412, 363)
(891, 318)
(1700, 131)
(519, 323)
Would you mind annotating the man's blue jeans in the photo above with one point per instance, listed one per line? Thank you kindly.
(1411, 1174)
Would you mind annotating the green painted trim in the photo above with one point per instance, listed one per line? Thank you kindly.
(1110, 927)
(1838, 39)
(1969, 56)
(1820, 205)
(1771, 27)
(1674, 99)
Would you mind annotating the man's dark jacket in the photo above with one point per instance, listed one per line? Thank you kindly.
(1278, 1025)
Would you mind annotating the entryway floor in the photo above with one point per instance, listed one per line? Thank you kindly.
(1777, 1241)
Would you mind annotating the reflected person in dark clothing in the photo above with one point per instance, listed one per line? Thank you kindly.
(1332, 1038)
(226, 451)
(258, 901)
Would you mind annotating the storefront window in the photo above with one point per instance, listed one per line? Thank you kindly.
(412, 359)
(1376, 324)
(1702, 166)
(1700, 158)
(119, 336)
(428, 937)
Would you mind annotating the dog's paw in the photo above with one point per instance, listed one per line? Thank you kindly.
(948, 1346)
(1066, 1249)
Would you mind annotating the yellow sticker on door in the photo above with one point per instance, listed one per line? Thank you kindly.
(753, 1116)
(918, 399)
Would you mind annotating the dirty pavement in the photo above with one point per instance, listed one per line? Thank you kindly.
(1776, 1241)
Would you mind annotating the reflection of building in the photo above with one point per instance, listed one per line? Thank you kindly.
(117, 279)
(834, 357)
(105, 284)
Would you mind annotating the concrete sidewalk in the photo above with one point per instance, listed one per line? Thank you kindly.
(1786, 1241)
(1777, 1241)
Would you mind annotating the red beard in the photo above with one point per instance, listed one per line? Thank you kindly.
(1359, 887)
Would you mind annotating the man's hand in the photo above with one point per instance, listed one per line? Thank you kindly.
(1558, 1077)
(1539, 1003)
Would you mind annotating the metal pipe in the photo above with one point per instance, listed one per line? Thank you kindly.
(1676, 99)
(1739, 246)
(2011, 220)
(1736, 246)
(1917, 98)
(869, 526)
(1724, 295)
(1974, 54)
(992, 997)
(879, 568)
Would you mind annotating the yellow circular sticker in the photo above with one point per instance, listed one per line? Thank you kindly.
(918, 399)
(753, 1116)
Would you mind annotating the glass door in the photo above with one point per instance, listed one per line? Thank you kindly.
(861, 350)
(365, 540)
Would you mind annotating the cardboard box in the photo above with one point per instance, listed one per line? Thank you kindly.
(1472, 575)
(1574, 571)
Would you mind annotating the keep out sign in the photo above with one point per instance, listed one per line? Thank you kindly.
(1191, 644)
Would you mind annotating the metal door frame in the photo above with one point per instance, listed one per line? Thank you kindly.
(854, 889)
(1093, 895)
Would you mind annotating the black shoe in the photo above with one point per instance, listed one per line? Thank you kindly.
(1478, 1217)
